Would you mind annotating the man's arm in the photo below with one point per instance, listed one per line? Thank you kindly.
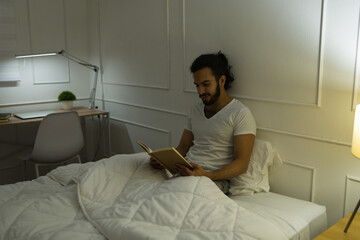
(185, 143)
(243, 145)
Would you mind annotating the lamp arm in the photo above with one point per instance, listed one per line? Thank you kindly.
(78, 60)
(93, 92)
(88, 65)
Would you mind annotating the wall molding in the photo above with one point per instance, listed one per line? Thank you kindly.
(356, 75)
(269, 100)
(139, 85)
(184, 47)
(320, 63)
(19, 104)
(9, 40)
(308, 168)
(308, 137)
(47, 83)
(168, 83)
(140, 125)
(146, 107)
(320, 72)
(168, 132)
(259, 128)
(347, 181)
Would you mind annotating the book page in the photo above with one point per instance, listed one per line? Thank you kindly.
(169, 157)
(143, 145)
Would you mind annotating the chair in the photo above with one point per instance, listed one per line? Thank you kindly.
(58, 139)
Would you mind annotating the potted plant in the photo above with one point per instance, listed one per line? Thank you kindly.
(66, 98)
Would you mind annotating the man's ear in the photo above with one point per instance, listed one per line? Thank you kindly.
(222, 80)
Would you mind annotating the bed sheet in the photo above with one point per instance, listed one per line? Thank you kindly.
(313, 214)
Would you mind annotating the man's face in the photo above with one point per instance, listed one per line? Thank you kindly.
(207, 86)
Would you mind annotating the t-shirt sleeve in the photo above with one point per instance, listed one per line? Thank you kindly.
(244, 123)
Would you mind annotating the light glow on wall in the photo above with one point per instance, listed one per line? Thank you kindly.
(355, 149)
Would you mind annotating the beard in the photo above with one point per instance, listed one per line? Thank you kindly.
(213, 98)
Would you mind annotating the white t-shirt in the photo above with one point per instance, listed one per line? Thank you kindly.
(214, 137)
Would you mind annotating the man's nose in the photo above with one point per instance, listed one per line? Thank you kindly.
(200, 90)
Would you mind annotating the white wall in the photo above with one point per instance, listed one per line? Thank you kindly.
(295, 64)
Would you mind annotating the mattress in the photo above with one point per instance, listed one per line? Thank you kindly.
(313, 214)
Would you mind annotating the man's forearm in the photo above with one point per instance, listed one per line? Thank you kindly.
(233, 169)
(185, 143)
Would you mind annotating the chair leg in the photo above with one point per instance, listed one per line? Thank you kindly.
(37, 170)
(25, 170)
(79, 158)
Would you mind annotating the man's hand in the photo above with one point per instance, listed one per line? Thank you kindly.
(197, 171)
(155, 164)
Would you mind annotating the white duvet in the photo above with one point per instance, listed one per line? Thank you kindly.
(124, 198)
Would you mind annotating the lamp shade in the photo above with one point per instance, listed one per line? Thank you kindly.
(355, 148)
(36, 55)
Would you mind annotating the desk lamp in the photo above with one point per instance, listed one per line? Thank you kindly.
(74, 59)
(355, 150)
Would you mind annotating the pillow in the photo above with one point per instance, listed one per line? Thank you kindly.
(256, 179)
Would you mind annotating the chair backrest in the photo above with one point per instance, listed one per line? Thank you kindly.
(59, 138)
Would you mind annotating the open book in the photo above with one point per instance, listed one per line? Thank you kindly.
(167, 157)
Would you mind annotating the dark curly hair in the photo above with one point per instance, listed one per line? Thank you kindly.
(218, 64)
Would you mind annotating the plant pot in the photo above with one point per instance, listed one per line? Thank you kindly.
(67, 105)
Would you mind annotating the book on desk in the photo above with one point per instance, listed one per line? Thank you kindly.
(4, 117)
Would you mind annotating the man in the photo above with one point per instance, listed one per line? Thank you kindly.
(220, 133)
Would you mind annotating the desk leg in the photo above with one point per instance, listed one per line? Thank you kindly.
(107, 140)
(104, 131)
(84, 150)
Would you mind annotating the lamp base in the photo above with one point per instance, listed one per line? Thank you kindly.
(352, 216)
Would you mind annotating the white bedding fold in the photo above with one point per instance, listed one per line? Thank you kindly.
(43, 209)
(126, 199)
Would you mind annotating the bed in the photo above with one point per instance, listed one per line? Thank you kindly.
(122, 197)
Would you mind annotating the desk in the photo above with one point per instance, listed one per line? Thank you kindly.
(336, 232)
(82, 112)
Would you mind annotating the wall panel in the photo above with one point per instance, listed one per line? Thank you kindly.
(280, 180)
(268, 64)
(9, 67)
(136, 51)
(48, 36)
(352, 194)
(158, 120)
(128, 133)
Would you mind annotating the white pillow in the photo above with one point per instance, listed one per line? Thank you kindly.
(256, 179)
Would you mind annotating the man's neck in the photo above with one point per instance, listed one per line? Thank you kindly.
(223, 100)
